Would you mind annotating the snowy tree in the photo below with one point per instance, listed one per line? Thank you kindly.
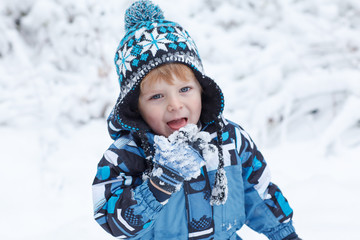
(289, 70)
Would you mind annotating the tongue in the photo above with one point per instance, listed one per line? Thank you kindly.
(177, 124)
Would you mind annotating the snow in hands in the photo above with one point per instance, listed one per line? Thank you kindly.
(199, 140)
(182, 151)
(185, 152)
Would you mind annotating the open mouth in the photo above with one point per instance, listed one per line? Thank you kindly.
(177, 123)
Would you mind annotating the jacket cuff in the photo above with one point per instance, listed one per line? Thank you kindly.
(159, 195)
(292, 236)
(147, 203)
(281, 232)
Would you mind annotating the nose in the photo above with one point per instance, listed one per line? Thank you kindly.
(174, 104)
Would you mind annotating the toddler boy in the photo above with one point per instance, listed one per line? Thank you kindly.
(177, 168)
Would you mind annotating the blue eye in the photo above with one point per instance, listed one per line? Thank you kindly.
(156, 96)
(185, 89)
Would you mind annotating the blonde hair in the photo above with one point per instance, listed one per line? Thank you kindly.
(167, 72)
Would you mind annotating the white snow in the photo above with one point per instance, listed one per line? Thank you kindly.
(188, 133)
(157, 172)
(289, 70)
(176, 153)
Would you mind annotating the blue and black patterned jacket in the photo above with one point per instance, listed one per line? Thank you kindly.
(126, 208)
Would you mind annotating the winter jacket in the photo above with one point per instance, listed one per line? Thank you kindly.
(125, 206)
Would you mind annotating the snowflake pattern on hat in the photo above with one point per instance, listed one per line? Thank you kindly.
(124, 61)
(154, 41)
(161, 43)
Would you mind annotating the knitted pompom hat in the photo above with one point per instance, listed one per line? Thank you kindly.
(149, 42)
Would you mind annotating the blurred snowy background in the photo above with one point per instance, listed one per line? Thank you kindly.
(289, 70)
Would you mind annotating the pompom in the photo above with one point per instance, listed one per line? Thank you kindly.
(142, 11)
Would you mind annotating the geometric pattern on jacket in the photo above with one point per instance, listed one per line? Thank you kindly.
(124, 206)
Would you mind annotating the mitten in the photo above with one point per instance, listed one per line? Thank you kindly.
(177, 158)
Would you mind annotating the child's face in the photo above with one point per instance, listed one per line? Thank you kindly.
(167, 107)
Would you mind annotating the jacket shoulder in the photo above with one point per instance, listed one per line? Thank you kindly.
(230, 124)
(125, 155)
(241, 138)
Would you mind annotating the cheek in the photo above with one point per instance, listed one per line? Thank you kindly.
(199, 109)
(156, 123)
(196, 109)
(199, 102)
(149, 114)
(152, 115)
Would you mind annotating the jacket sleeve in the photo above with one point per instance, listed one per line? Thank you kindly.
(123, 204)
(267, 210)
